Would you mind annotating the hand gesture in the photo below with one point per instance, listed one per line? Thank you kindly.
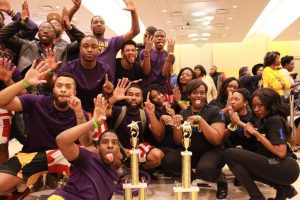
(6, 70)
(229, 97)
(176, 94)
(100, 109)
(169, 110)
(107, 87)
(167, 119)
(65, 21)
(35, 73)
(5, 6)
(234, 117)
(149, 43)
(170, 47)
(25, 11)
(77, 4)
(50, 59)
(121, 88)
(74, 103)
(250, 130)
(149, 107)
(129, 5)
(193, 119)
(177, 119)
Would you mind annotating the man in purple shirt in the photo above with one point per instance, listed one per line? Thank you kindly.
(47, 117)
(108, 48)
(88, 72)
(157, 62)
(93, 176)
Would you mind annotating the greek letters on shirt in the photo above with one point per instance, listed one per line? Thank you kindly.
(102, 45)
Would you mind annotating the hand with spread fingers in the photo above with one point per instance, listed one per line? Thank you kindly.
(120, 90)
(149, 40)
(77, 4)
(6, 70)
(171, 45)
(36, 73)
(75, 104)
(25, 11)
(50, 59)
(129, 5)
(100, 109)
(5, 6)
(107, 87)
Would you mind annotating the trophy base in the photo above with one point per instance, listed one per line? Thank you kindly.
(131, 186)
(193, 192)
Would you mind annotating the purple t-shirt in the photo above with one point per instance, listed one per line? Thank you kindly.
(88, 81)
(90, 179)
(123, 131)
(108, 49)
(157, 60)
(44, 122)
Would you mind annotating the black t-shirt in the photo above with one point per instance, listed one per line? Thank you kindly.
(238, 137)
(132, 74)
(275, 130)
(250, 82)
(211, 114)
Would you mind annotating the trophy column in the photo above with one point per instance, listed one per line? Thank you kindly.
(134, 164)
(186, 168)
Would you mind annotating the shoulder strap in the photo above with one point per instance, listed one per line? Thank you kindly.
(143, 119)
(120, 117)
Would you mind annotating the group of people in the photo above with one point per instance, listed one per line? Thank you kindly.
(71, 104)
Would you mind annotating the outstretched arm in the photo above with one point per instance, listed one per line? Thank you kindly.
(74, 9)
(135, 27)
(66, 140)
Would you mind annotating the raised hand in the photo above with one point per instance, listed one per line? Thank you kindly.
(234, 117)
(107, 87)
(149, 107)
(176, 94)
(6, 70)
(149, 43)
(177, 119)
(50, 59)
(170, 47)
(5, 6)
(75, 104)
(35, 74)
(121, 88)
(77, 4)
(100, 109)
(65, 21)
(129, 5)
(167, 119)
(25, 11)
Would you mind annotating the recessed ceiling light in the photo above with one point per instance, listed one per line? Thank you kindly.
(195, 39)
(47, 8)
(168, 21)
(234, 6)
(199, 14)
(229, 18)
(164, 10)
(206, 22)
(205, 34)
(227, 27)
(57, 7)
(193, 35)
(208, 18)
(172, 30)
(224, 35)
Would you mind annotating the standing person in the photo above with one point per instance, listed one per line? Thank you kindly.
(200, 73)
(208, 130)
(92, 175)
(213, 72)
(157, 62)
(273, 78)
(47, 117)
(127, 66)
(149, 32)
(273, 162)
(258, 69)
(108, 48)
(247, 80)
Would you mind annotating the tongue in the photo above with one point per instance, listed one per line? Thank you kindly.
(198, 102)
(109, 157)
(131, 59)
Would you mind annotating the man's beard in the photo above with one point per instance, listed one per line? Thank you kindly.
(60, 104)
(132, 109)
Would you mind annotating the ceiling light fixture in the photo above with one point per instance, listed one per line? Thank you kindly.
(118, 20)
(193, 35)
(275, 18)
(234, 6)
(164, 11)
(199, 14)
(205, 34)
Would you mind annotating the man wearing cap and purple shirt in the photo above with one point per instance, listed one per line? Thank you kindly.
(157, 63)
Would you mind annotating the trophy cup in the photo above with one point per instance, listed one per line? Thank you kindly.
(134, 163)
(186, 167)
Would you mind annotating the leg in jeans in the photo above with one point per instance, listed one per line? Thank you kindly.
(171, 163)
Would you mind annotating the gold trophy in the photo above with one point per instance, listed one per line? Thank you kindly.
(134, 163)
(186, 167)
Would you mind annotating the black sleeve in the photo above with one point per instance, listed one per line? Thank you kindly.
(276, 130)
(7, 36)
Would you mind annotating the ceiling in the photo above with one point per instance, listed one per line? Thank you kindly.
(223, 20)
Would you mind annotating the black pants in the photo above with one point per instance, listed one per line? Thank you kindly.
(208, 166)
(248, 166)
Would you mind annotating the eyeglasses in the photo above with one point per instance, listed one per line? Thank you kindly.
(46, 29)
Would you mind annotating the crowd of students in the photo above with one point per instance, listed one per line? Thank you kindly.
(70, 105)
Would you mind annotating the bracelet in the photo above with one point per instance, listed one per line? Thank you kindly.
(232, 127)
(25, 83)
(22, 22)
(95, 124)
(180, 102)
(171, 54)
(198, 118)
(50, 72)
